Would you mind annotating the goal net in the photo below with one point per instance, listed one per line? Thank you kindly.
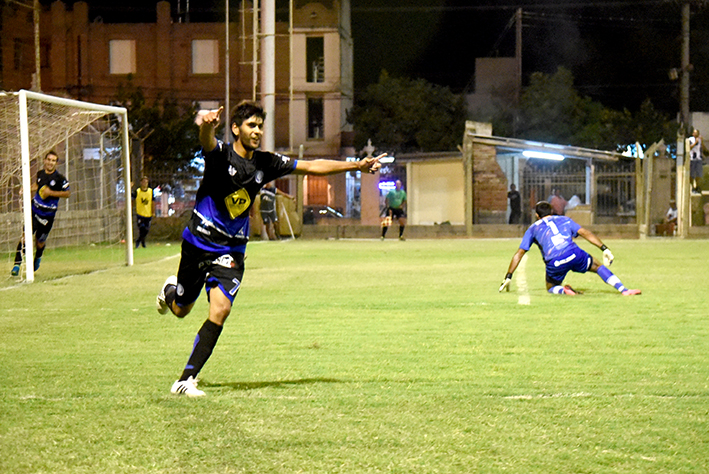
(92, 228)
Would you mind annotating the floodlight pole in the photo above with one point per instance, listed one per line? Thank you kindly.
(227, 110)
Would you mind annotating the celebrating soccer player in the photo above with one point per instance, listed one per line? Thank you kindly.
(215, 239)
(50, 185)
(554, 235)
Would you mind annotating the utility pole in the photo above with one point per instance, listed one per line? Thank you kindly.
(684, 77)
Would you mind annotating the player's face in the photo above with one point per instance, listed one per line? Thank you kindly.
(50, 163)
(143, 184)
(250, 133)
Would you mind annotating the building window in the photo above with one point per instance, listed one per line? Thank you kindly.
(205, 57)
(316, 119)
(122, 56)
(315, 56)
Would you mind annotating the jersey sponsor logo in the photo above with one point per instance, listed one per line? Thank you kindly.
(237, 203)
(232, 170)
(558, 263)
(259, 177)
(226, 261)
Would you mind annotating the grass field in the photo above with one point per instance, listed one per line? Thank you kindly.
(366, 356)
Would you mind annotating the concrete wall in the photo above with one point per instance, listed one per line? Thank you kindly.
(436, 192)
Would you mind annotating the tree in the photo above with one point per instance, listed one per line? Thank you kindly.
(408, 115)
(170, 136)
(551, 110)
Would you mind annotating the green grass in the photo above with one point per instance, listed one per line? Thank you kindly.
(365, 356)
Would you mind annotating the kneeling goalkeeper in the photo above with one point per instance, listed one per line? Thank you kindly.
(554, 235)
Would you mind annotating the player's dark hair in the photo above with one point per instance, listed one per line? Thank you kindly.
(244, 110)
(543, 209)
(51, 152)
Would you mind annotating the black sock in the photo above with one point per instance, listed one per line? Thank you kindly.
(401, 230)
(170, 294)
(203, 346)
(38, 254)
(18, 255)
(384, 231)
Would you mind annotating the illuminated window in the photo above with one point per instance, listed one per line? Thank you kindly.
(205, 57)
(122, 56)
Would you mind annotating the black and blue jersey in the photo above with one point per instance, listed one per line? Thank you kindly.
(47, 208)
(220, 220)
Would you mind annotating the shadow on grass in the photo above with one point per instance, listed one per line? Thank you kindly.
(274, 383)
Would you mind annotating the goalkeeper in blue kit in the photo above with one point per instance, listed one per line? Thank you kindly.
(554, 235)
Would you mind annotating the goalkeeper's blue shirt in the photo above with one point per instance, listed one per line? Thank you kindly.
(553, 234)
(220, 220)
(47, 208)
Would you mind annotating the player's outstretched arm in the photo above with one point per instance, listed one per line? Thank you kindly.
(591, 237)
(326, 167)
(514, 263)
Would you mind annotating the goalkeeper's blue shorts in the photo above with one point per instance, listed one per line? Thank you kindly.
(574, 259)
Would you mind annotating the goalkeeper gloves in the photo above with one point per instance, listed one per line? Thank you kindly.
(506, 283)
(43, 192)
(607, 256)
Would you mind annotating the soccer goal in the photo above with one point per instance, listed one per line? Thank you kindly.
(92, 229)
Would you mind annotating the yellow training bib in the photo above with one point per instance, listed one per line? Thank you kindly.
(237, 203)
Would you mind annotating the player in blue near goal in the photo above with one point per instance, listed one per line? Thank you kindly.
(215, 239)
(554, 235)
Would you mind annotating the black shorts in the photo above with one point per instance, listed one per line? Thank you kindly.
(268, 216)
(696, 169)
(397, 213)
(144, 222)
(199, 268)
(41, 227)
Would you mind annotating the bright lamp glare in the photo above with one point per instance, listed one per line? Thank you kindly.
(543, 155)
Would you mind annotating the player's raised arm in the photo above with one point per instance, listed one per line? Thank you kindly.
(207, 121)
(326, 167)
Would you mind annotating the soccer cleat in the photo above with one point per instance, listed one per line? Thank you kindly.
(187, 387)
(570, 291)
(160, 303)
(37, 261)
(631, 292)
(15, 270)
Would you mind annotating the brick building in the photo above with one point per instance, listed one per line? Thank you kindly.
(87, 59)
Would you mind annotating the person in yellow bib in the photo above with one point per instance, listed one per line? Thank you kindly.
(144, 209)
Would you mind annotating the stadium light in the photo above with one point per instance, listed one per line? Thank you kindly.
(543, 155)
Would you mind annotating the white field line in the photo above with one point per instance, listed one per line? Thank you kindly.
(522, 282)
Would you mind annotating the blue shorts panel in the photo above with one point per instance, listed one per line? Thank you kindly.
(575, 260)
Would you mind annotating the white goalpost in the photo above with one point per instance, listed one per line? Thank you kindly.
(92, 143)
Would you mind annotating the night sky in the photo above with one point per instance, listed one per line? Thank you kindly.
(620, 52)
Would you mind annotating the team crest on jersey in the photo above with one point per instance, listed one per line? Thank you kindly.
(52, 183)
(259, 176)
(232, 170)
(226, 261)
(237, 203)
